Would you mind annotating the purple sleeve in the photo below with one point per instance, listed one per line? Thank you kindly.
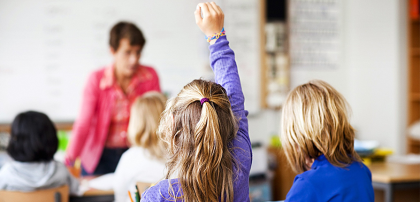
(224, 66)
(223, 63)
(160, 192)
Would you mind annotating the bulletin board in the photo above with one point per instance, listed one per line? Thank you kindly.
(315, 34)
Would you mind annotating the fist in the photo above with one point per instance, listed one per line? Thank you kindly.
(212, 20)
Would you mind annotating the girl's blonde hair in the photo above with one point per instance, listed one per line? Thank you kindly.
(144, 121)
(197, 136)
(314, 122)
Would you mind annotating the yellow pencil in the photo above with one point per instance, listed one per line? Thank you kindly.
(129, 195)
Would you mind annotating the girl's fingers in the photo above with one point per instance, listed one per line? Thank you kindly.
(204, 7)
(197, 14)
(214, 6)
(219, 9)
(211, 8)
(209, 18)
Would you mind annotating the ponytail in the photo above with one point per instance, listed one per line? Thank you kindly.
(209, 152)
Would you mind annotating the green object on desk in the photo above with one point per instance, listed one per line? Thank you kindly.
(275, 141)
(63, 140)
(137, 194)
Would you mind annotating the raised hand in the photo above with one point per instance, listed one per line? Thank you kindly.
(212, 20)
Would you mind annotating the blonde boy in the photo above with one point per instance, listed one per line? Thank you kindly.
(318, 141)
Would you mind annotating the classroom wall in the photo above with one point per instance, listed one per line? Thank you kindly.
(263, 125)
(372, 75)
(375, 36)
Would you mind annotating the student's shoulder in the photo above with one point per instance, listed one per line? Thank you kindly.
(4, 169)
(358, 166)
(313, 178)
(133, 156)
(361, 167)
(157, 187)
(301, 181)
(133, 152)
(302, 190)
(60, 167)
(161, 191)
(310, 175)
(305, 177)
(165, 184)
(152, 194)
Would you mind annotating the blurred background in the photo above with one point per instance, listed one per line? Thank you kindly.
(368, 50)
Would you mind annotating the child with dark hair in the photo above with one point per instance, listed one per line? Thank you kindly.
(32, 146)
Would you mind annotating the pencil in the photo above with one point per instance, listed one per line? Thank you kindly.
(129, 195)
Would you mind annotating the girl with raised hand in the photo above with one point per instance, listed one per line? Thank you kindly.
(206, 129)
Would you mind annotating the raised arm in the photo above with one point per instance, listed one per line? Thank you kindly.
(222, 58)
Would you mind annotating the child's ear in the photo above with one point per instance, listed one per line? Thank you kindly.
(309, 161)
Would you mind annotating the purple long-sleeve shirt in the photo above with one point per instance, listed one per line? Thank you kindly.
(224, 66)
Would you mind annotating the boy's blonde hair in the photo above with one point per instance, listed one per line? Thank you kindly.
(144, 121)
(314, 122)
(198, 135)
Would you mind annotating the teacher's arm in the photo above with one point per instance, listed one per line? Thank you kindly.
(84, 122)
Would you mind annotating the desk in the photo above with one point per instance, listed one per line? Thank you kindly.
(283, 176)
(392, 176)
(94, 195)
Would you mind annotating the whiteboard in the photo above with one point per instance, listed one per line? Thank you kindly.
(48, 48)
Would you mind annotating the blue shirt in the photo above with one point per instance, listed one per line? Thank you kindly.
(326, 182)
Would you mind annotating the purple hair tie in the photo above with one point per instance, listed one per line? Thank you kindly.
(203, 100)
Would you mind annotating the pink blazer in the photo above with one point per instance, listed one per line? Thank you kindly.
(91, 128)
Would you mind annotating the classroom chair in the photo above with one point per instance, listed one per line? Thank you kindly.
(143, 186)
(59, 194)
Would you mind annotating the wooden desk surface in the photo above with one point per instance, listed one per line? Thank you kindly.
(394, 173)
(96, 192)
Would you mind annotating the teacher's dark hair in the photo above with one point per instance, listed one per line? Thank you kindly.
(33, 138)
(126, 30)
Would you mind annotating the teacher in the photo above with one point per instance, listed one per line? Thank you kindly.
(99, 135)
